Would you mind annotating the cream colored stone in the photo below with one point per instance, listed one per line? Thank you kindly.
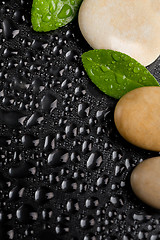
(145, 181)
(137, 117)
(128, 26)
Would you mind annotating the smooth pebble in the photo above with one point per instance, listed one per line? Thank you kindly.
(137, 117)
(128, 26)
(145, 181)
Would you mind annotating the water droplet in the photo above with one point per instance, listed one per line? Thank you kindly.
(29, 141)
(49, 143)
(136, 69)
(116, 57)
(79, 91)
(91, 71)
(46, 18)
(65, 12)
(111, 77)
(71, 130)
(72, 56)
(92, 202)
(89, 59)
(119, 79)
(87, 222)
(83, 110)
(69, 185)
(113, 200)
(48, 103)
(146, 72)
(43, 194)
(104, 68)
(127, 163)
(86, 146)
(116, 155)
(126, 58)
(26, 214)
(94, 160)
(8, 28)
(102, 181)
(58, 157)
(47, 214)
(34, 119)
(72, 206)
(16, 193)
(18, 16)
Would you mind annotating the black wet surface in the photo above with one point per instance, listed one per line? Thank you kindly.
(64, 169)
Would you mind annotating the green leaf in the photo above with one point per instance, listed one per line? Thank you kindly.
(116, 73)
(47, 15)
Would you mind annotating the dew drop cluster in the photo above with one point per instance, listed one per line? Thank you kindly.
(64, 169)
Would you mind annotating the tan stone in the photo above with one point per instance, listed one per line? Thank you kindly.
(145, 181)
(137, 117)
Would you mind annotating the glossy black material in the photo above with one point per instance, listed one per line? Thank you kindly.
(64, 169)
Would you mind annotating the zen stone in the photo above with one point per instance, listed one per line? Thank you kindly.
(145, 181)
(128, 26)
(137, 117)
